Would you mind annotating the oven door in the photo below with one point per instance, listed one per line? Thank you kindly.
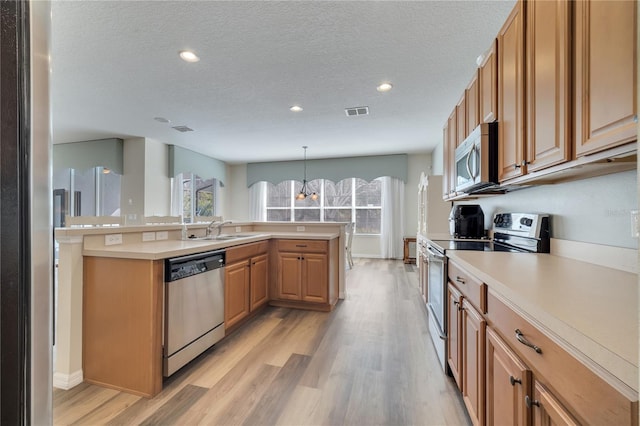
(437, 289)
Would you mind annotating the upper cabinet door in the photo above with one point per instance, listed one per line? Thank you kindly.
(548, 95)
(511, 131)
(605, 74)
(488, 86)
(472, 104)
(461, 121)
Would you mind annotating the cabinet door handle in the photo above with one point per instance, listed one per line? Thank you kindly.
(301, 245)
(516, 166)
(525, 342)
(513, 381)
(531, 402)
(460, 280)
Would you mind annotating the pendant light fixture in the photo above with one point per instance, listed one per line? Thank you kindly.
(304, 193)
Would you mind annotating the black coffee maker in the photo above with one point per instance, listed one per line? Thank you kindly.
(466, 221)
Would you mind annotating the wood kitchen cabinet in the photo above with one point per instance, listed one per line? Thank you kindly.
(461, 120)
(546, 410)
(508, 381)
(605, 72)
(236, 292)
(472, 105)
(306, 274)
(454, 344)
(450, 141)
(473, 326)
(122, 324)
(246, 281)
(548, 85)
(488, 86)
(511, 128)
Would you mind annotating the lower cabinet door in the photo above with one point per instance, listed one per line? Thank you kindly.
(454, 343)
(315, 278)
(546, 409)
(473, 338)
(508, 381)
(289, 276)
(236, 292)
(259, 281)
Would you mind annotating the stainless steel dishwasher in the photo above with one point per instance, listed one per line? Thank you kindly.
(193, 307)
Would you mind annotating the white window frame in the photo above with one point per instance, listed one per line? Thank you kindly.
(293, 208)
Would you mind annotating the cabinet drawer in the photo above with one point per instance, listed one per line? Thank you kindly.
(470, 287)
(589, 397)
(303, 246)
(246, 251)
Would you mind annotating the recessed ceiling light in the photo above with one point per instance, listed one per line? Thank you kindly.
(189, 56)
(296, 108)
(384, 87)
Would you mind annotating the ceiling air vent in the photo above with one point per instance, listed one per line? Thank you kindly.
(361, 110)
(182, 129)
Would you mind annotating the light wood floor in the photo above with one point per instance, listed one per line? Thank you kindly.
(368, 362)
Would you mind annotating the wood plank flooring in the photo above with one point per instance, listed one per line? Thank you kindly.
(369, 362)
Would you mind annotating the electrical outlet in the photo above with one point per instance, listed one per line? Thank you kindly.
(635, 225)
(238, 228)
(300, 228)
(112, 239)
(148, 236)
(162, 235)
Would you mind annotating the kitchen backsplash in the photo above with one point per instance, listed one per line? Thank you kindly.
(596, 210)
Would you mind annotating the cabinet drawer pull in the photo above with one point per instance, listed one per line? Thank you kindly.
(301, 245)
(460, 280)
(513, 381)
(525, 342)
(531, 402)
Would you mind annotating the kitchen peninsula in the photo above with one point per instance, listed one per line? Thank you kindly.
(127, 262)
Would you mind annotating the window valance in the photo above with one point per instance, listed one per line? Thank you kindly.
(182, 160)
(335, 169)
(89, 154)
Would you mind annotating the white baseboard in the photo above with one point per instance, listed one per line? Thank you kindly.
(67, 381)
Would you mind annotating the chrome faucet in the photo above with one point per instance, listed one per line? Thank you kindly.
(217, 225)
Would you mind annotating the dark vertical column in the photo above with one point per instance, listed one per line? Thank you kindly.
(14, 212)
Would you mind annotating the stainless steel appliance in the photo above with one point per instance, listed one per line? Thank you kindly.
(466, 221)
(512, 232)
(193, 307)
(476, 160)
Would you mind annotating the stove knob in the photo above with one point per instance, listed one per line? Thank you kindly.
(529, 222)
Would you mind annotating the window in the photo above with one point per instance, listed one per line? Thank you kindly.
(198, 197)
(349, 200)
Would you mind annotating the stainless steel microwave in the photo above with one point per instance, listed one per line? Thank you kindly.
(476, 160)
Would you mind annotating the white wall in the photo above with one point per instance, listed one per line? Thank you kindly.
(236, 198)
(596, 210)
(437, 163)
(157, 184)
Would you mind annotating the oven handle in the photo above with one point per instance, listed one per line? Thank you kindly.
(441, 335)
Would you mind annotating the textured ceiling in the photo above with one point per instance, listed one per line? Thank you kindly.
(115, 67)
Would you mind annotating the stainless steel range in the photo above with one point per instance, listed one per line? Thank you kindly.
(512, 232)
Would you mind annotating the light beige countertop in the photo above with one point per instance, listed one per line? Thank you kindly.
(585, 307)
(154, 250)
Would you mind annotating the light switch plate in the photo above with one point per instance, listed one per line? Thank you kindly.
(238, 228)
(635, 225)
(112, 239)
(148, 236)
(162, 235)
(300, 228)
